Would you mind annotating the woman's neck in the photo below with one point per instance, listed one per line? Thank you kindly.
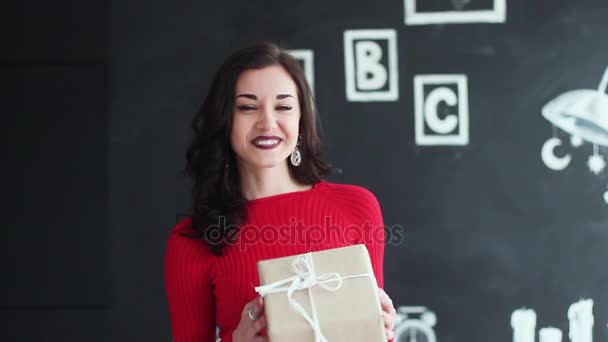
(265, 182)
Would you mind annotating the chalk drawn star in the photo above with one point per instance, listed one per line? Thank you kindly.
(596, 163)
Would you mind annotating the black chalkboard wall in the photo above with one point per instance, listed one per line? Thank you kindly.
(491, 226)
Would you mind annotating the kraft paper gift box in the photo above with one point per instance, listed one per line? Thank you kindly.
(346, 310)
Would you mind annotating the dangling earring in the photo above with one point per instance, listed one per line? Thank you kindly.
(296, 156)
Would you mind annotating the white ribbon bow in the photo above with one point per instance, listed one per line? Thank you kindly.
(305, 278)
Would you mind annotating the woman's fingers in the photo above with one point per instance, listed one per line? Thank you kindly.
(386, 302)
(258, 307)
(252, 322)
(255, 307)
(259, 321)
(389, 321)
(388, 313)
(259, 324)
(390, 334)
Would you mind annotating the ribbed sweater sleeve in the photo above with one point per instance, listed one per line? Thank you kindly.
(374, 239)
(365, 212)
(369, 213)
(188, 287)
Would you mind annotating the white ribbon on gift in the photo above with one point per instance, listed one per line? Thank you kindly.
(305, 278)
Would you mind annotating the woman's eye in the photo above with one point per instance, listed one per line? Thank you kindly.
(245, 108)
(284, 107)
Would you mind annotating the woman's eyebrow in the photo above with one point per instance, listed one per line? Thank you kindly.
(249, 96)
(253, 97)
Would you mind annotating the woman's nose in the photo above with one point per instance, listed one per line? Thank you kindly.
(267, 120)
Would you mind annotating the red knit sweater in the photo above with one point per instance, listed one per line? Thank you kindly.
(204, 290)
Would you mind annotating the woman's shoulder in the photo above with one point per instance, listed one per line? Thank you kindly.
(349, 192)
(357, 202)
(188, 261)
(184, 225)
(182, 239)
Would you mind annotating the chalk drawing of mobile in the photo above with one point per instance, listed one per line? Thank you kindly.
(415, 324)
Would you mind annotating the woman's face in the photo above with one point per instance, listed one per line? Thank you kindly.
(265, 118)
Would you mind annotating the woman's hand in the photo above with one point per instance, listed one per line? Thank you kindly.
(252, 322)
(389, 314)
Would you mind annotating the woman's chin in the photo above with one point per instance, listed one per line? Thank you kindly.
(268, 164)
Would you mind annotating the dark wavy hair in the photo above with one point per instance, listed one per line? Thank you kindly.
(218, 204)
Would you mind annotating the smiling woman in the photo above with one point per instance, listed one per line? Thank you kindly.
(266, 121)
(258, 193)
(247, 102)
